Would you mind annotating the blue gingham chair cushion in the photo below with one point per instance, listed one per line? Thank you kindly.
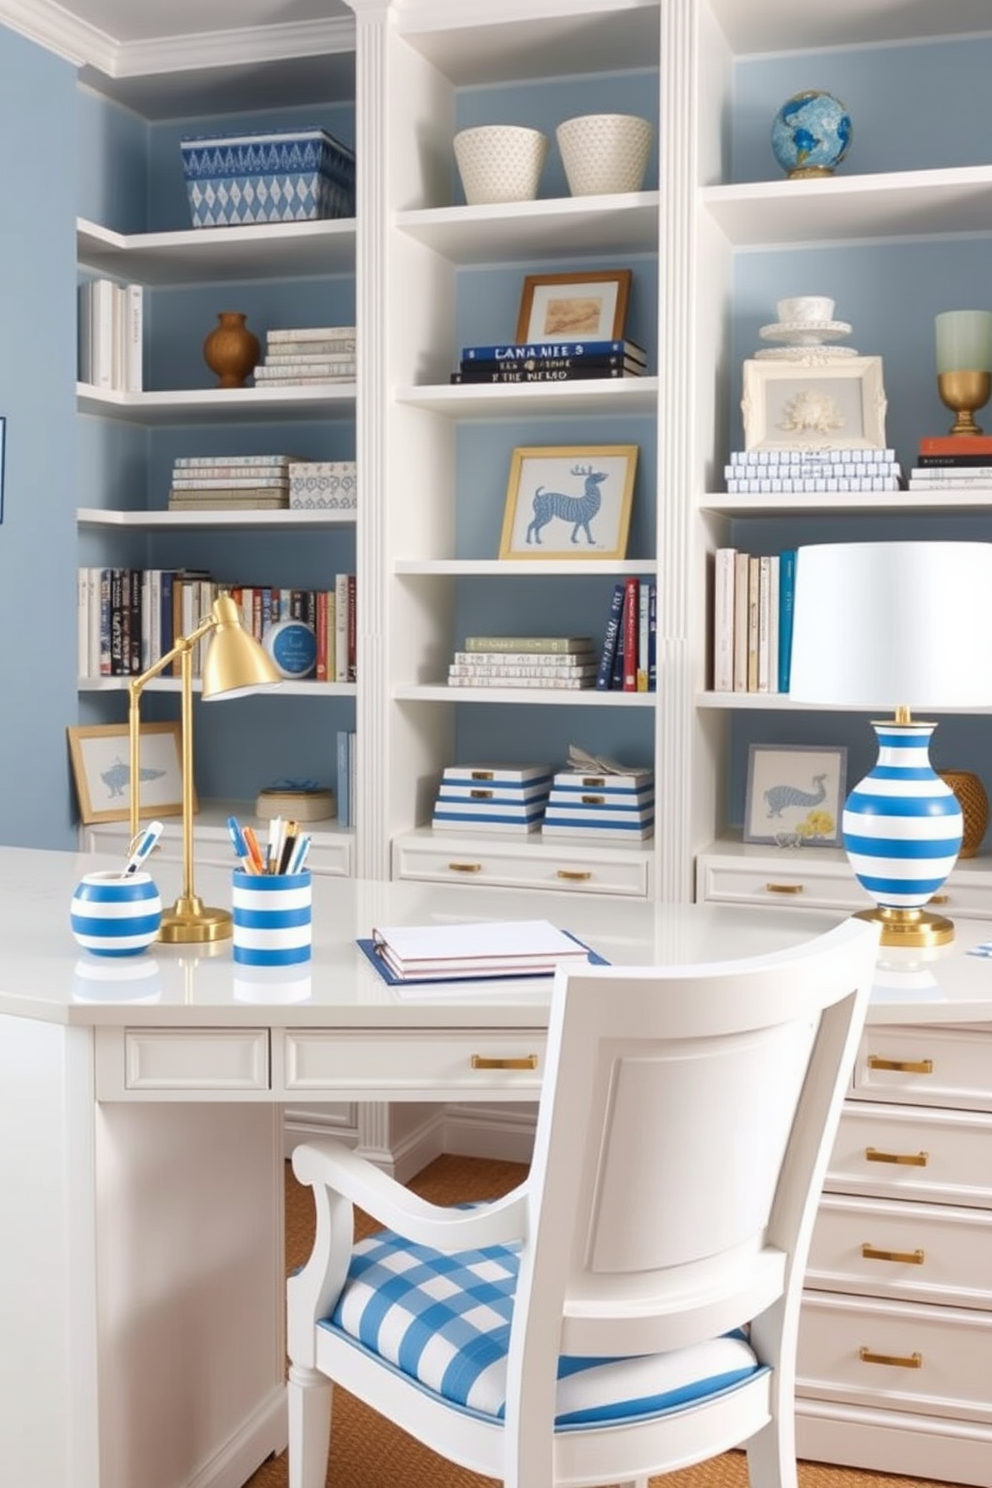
(444, 1322)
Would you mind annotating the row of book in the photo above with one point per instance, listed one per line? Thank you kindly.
(346, 777)
(110, 335)
(753, 601)
(811, 472)
(536, 798)
(550, 361)
(953, 462)
(230, 483)
(307, 354)
(129, 618)
(628, 659)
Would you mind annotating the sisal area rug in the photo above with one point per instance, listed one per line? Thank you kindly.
(369, 1452)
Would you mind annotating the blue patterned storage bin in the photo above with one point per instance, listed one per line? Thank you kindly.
(286, 175)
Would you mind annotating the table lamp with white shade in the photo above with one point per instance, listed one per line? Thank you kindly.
(907, 624)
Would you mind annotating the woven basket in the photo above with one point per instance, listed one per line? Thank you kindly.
(974, 805)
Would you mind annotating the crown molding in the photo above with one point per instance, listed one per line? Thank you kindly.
(55, 28)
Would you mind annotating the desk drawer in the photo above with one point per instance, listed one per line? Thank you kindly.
(175, 1063)
(582, 870)
(431, 1064)
(780, 882)
(925, 1067)
(916, 1252)
(939, 1156)
(896, 1356)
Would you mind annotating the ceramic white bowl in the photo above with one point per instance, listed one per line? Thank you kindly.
(604, 153)
(500, 162)
(805, 307)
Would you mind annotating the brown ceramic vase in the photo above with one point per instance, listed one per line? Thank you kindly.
(231, 349)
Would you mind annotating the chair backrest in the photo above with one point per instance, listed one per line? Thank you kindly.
(686, 1119)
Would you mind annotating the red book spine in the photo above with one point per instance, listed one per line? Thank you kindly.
(321, 633)
(956, 444)
(631, 626)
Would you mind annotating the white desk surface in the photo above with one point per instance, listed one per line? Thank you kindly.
(44, 974)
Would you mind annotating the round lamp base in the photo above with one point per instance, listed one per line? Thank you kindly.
(913, 928)
(190, 922)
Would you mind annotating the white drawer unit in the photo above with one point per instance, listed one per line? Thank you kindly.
(523, 864)
(331, 848)
(510, 1063)
(895, 1347)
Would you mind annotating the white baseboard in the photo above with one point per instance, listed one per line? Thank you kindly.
(501, 1132)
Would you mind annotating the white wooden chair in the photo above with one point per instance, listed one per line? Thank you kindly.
(632, 1307)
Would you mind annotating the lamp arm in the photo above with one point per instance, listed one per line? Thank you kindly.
(135, 687)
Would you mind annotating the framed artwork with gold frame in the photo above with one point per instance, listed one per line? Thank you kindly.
(102, 771)
(569, 501)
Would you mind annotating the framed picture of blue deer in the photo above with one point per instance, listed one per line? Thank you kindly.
(795, 794)
(569, 501)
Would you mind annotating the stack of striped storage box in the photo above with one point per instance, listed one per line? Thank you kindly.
(615, 807)
(501, 798)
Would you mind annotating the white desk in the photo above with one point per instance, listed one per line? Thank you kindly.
(141, 1270)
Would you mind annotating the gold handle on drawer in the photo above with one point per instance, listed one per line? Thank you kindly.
(525, 1061)
(465, 867)
(904, 1066)
(593, 800)
(908, 1159)
(573, 875)
(777, 888)
(480, 775)
(939, 899)
(481, 795)
(900, 1361)
(901, 1257)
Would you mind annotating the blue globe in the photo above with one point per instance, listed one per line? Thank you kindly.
(811, 134)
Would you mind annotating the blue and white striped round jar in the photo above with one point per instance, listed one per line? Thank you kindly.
(902, 825)
(272, 918)
(115, 916)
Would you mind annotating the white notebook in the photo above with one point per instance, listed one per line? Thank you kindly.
(499, 947)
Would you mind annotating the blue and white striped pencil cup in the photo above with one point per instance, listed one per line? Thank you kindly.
(115, 916)
(272, 918)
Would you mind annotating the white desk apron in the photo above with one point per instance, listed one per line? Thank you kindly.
(141, 1248)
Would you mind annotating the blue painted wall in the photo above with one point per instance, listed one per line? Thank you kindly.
(37, 399)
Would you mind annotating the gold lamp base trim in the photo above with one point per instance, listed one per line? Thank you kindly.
(189, 922)
(913, 928)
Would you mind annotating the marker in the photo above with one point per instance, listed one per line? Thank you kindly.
(240, 845)
(275, 844)
(300, 851)
(288, 847)
(254, 851)
(139, 852)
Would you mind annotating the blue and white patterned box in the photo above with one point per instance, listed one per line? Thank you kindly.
(287, 175)
(323, 485)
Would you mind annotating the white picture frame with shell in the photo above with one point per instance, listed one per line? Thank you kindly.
(831, 406)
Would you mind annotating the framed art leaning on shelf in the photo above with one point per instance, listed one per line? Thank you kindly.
(793, 405)
(102, 772)
(795, 794)
(574, 307)
(569, 501)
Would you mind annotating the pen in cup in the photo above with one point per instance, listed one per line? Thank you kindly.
(241, 850)
(299, 856)
(140, 847)
(254, 849)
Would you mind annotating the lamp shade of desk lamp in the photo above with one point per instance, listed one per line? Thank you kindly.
(903, 624)
(234, 666)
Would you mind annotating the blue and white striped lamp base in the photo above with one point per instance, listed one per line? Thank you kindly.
(902, 828)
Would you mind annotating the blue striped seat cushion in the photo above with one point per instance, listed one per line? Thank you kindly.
(444, 1322)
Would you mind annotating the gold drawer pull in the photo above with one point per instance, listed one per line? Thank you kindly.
(480, 775)
(901, 1257)
(465, 867)
(904, 1066)
(909, 1159)
(777, 888)
(914, 1361)
(573, 875)
(939, 899)
(481, 795)
(593, 800)
(593, 780)
(526, 1061)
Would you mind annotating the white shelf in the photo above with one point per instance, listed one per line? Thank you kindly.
(925, 203)
(580, 697)
(770, 25)
(532, 567)
(276, 250)
(219, 405)
(240, 520)
(515, 230)
(498, 400)
(781, 702)
(893, 503)
(173, 684)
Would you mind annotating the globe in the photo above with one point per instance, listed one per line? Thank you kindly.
(811, 134)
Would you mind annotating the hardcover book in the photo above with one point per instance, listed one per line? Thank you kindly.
(528, 643)
(610, 637)
(520, 351)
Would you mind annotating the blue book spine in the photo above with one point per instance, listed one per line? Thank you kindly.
(786, 603)
(616, 675)
(653, 638)
(610, 637)
(344, 790)
(520, 351)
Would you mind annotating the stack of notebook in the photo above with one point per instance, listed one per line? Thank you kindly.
(615, 806)
(502, 798)
(454, 952)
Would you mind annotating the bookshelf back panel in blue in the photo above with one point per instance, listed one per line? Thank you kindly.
(521, 734)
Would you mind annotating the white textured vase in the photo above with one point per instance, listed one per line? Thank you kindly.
(500, 162)
(604, 153)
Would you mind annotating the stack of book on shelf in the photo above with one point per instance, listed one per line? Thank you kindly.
(230, 483)
(110, 335)
(524, 661)
(346, 777)
(601, 798)
(550, 361)
(628, 660)
(307, 355)
(753, 600)
(767, 472)
(499, 798)
(953, 462)
(498, 948)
